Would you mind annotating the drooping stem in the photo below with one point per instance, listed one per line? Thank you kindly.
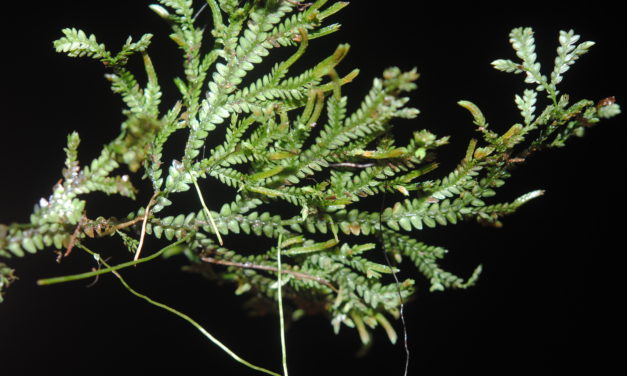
(206, 210)
(280, 298)
(222, 346)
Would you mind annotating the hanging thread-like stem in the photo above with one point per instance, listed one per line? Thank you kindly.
(206, 210)
(222, 346)
(280, 298)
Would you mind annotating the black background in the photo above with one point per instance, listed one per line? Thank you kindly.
(547, 302)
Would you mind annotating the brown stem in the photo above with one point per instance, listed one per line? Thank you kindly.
(73, 238)
(145, 220)
(270, 269)
(123, 225)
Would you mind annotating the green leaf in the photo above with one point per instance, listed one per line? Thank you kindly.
(76, 43)
(476, 113)
(310, 248)
(526, 105)
(567, 53)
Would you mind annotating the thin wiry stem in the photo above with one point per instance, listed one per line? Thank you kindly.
(398, 289)
(270, 269)
(206, 210)
(280, 298)
(73, 238)
(222, 346)
(143, 233)
(75, 277)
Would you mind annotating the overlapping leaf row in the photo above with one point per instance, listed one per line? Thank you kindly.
(289, 138)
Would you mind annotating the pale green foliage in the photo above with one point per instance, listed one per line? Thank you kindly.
(289, 136)
(55, 218)
(77, 44)
(567, 53)
(523, 42)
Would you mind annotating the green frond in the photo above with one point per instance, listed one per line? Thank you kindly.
(71, 151)
(18, 240)
(76, 43)
(152, 92)
(232, 219)
(153, 160)
(523, 42)
(130, 243)
(180, 7)
(492, 213)
(567, 53)
(526, 105)
(459, 180)
(413, 214)
(125, 84)
(476, 113)
(309, 247)
(130, 48)
(425, 258)
(288, 140)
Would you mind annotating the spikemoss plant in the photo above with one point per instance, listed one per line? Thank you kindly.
(286, 136)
